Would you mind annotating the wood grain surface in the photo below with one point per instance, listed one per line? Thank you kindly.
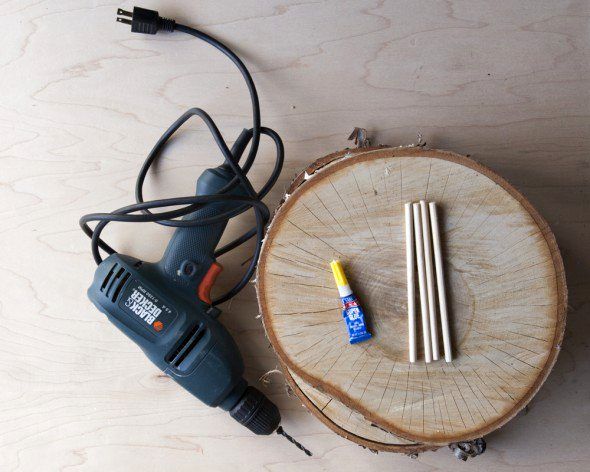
(349, 423)
(505, 285)
(83, 101)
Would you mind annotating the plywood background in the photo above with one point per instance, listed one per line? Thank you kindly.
(83, 100)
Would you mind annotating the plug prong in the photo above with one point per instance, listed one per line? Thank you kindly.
(122, 12)
(124, 20)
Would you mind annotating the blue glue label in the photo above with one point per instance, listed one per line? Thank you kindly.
(355, 320)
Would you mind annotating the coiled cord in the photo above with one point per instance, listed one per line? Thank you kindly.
(149, 22)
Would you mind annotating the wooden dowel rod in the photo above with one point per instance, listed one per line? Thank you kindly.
(422, 283)
(440, 283)
(412, 349)
(428, 265)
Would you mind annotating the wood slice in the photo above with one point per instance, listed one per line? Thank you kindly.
(505, 283)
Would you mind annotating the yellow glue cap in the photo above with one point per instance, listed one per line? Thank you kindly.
(338, 272)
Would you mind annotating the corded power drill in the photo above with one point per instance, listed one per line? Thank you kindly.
(165, 307)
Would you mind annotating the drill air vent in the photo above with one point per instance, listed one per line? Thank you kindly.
(114, 281)
(176, 357)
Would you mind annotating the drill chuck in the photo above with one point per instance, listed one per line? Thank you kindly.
(256, 412)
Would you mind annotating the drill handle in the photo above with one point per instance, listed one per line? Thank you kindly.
(189, 257)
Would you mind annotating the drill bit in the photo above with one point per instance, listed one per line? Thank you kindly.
(282, 432)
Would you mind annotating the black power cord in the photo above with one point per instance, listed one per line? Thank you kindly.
(150, 22)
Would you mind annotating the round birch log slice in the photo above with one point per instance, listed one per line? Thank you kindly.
(505, 287)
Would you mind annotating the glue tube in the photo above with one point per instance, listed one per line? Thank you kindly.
(351, 312)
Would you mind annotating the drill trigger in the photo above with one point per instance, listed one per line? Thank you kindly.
(204, 290)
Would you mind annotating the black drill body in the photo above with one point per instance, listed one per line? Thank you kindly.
(164, 307)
